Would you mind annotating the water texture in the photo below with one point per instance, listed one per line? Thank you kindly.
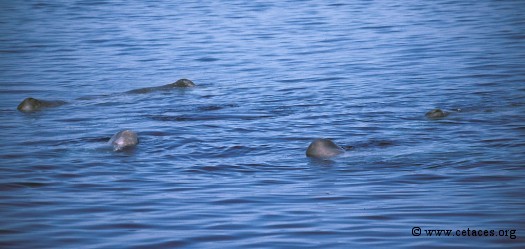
(223, 165)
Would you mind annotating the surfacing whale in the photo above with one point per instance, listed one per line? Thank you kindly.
(436, 113)
(32, 104)
(123, 140)
(182, 83)
(323, 148)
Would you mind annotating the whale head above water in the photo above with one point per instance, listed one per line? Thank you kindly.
(124, 140)
(32, 104)
(323, 148)
(182, 83)
(29, 105)
(436, 113)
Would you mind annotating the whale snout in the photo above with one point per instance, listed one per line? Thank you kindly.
(183, 83)
(29, 105)
(323, 148)
(32, 104)
(436, 113)
(124, 140)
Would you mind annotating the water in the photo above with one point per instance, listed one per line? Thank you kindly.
(223, 165)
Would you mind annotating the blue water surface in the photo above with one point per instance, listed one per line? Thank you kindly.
(223, 165)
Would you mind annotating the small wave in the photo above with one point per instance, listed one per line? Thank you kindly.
(204, 117)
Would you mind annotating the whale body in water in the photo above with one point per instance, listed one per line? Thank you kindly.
(125, 139)
(32, 104)
(182, 83)
(323, 148)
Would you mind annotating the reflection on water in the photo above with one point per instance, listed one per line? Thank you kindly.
(223, 164)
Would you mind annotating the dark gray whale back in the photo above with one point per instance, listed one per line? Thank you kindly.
(323, 148)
